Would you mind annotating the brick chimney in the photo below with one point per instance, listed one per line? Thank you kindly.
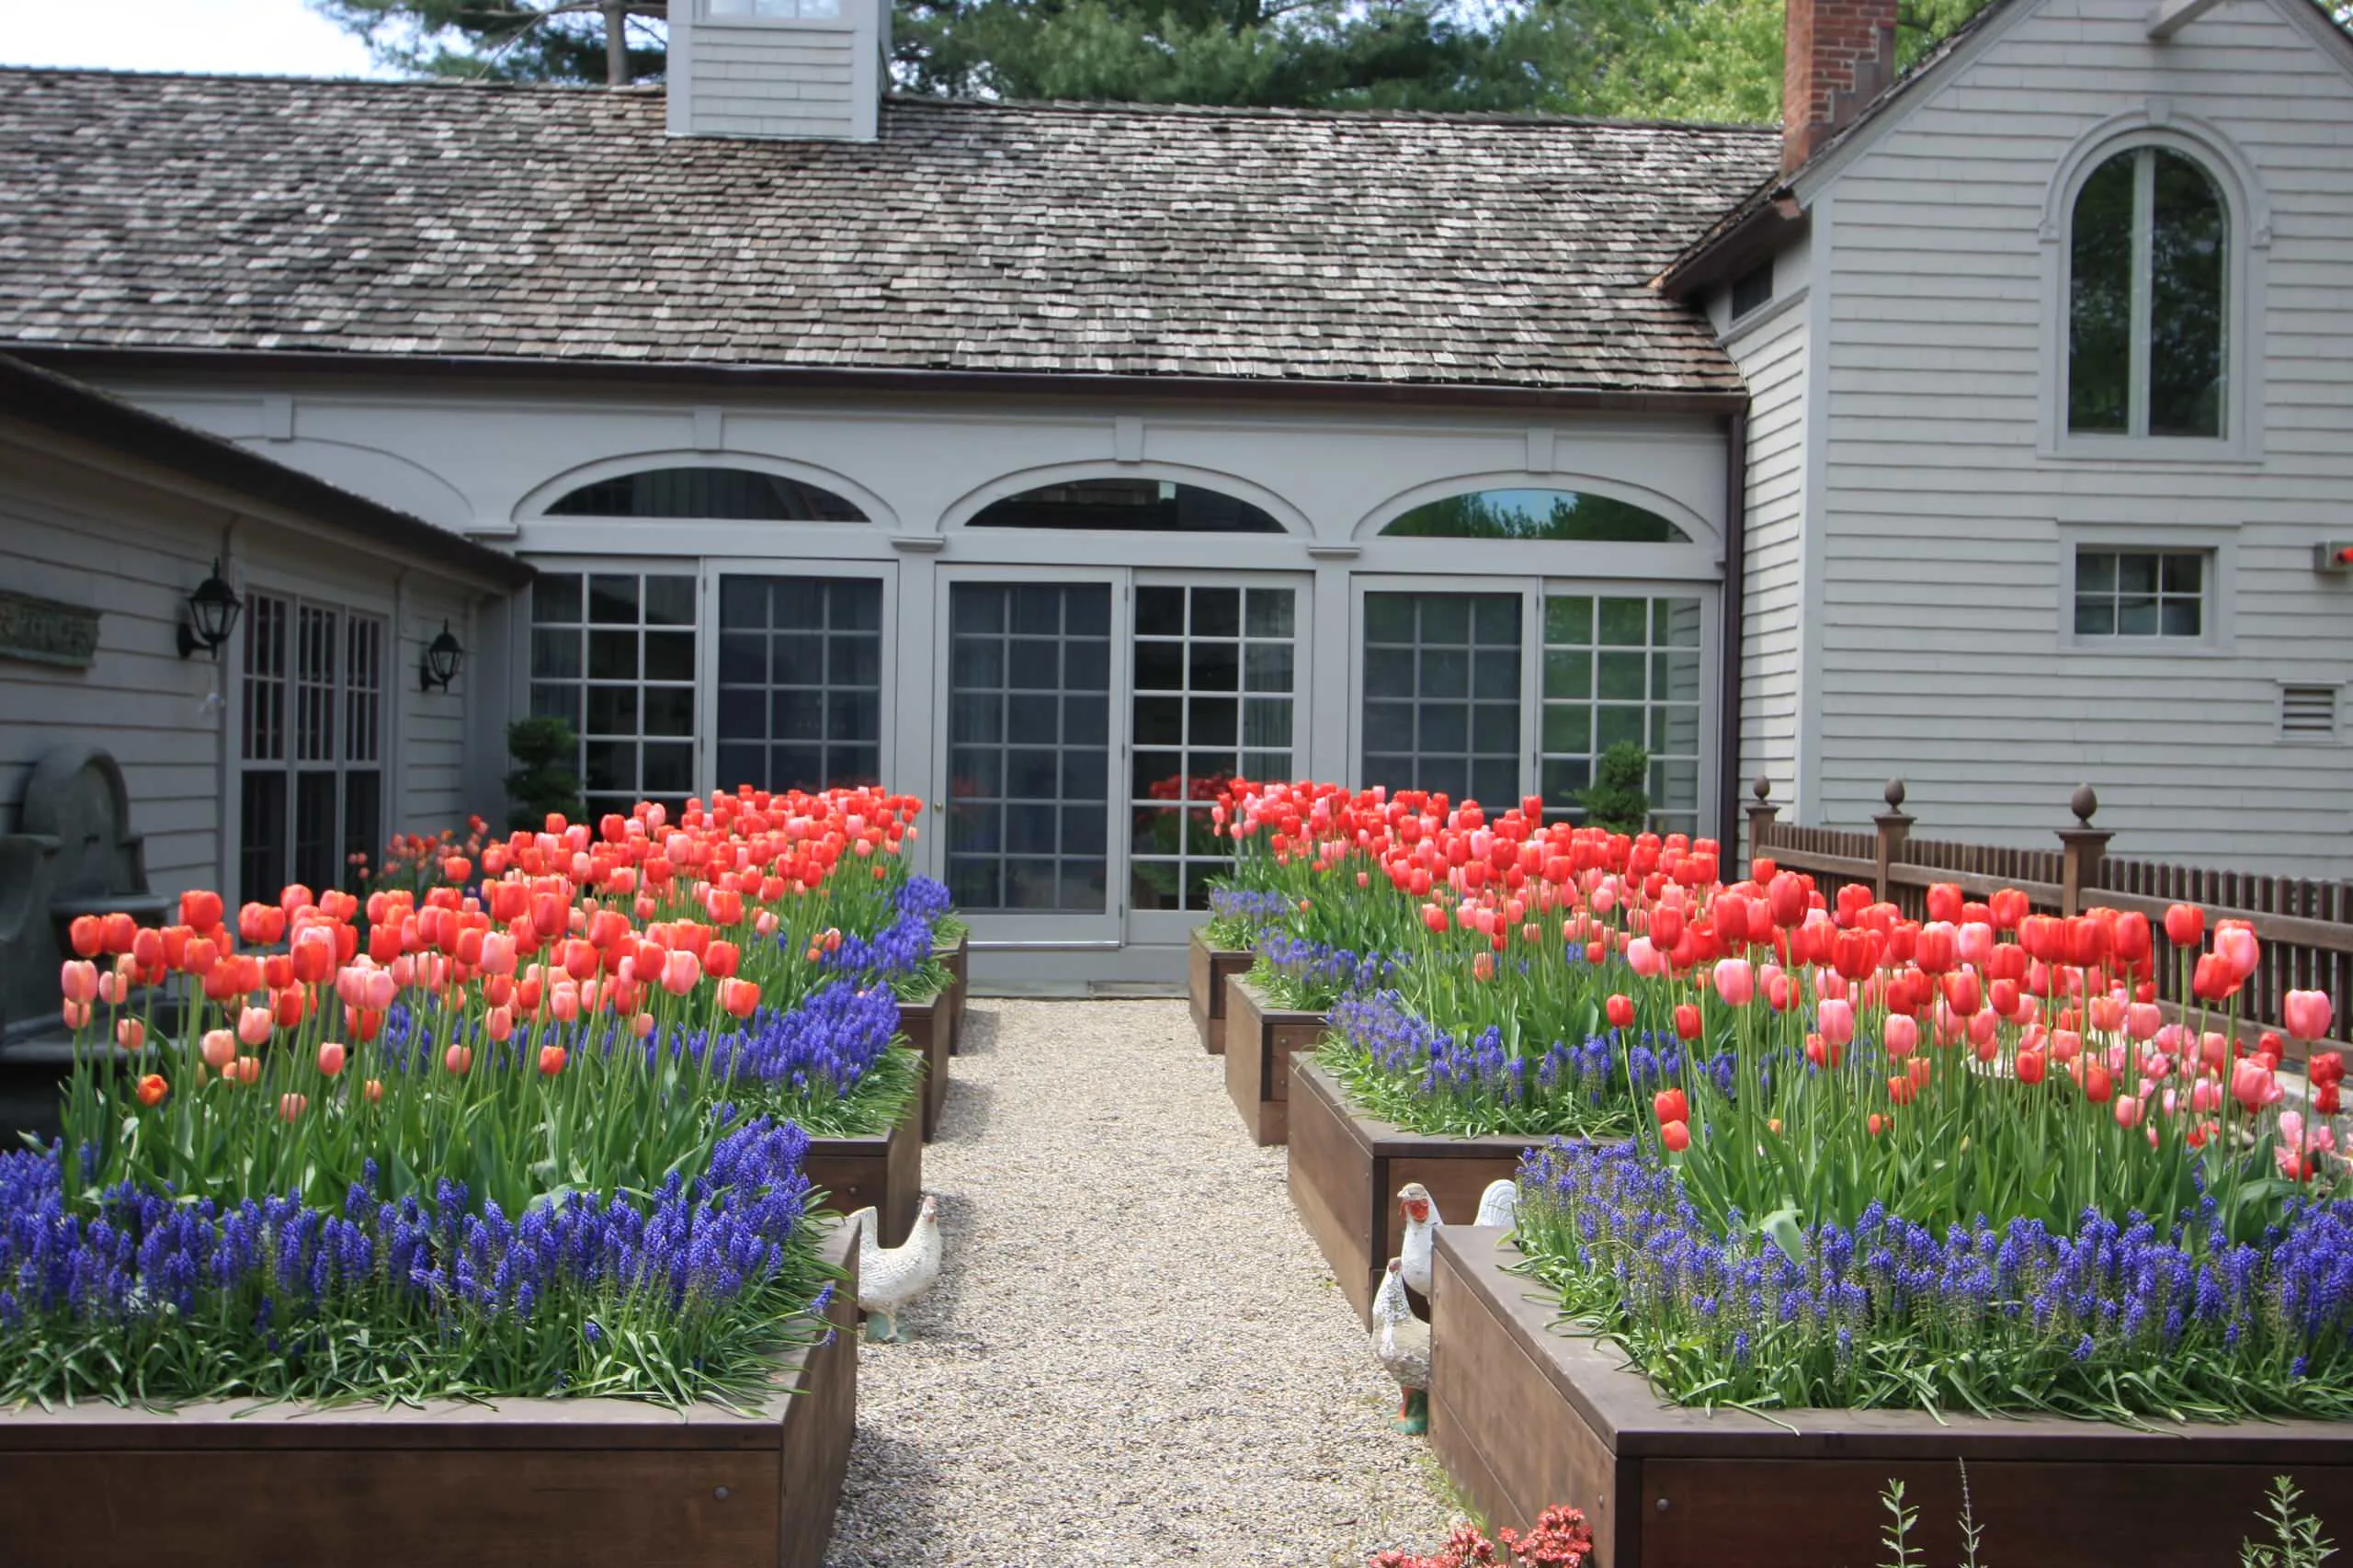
(1836, 56)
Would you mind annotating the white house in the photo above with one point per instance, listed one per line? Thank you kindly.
(1054, 461)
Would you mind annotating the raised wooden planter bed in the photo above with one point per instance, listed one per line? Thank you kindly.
(930, 1027)
(583, 1482)
(1522, 1416)
(1345, 1168)
(1260, 1038)
(1207, 969)
(885, 1171)
(957, 956)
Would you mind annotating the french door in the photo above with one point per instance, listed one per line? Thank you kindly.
(799, 676)
(1088, 719)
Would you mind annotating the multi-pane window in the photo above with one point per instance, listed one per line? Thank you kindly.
(1441, 693)
(2141, 592)
(1623, 670)
(2147, 298)
(799, 682)
(311, 754)
(1029, 737)
(613, 654)
(1216, 668)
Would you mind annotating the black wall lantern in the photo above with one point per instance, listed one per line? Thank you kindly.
(442, 657)
(212, 615)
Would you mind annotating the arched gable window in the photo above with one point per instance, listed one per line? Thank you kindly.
(1537, 514)
(724, 495)
(1127, 506)
(2147, 301)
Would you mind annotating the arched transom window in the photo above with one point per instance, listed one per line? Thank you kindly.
(2147, 301)
(1537, 514)
(1127, 506)
(726, 494)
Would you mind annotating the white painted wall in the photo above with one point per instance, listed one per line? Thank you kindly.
(91, 527)
(738, 75)
(1946, 513)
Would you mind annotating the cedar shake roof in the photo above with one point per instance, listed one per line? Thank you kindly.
(536, 224)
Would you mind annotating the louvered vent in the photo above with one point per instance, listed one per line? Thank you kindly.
(2308, 711)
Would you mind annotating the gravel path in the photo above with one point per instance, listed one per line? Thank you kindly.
(1134, 1354)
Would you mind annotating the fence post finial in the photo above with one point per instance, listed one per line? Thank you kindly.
(2081, 846)
(1761, 812)
(1894, 827)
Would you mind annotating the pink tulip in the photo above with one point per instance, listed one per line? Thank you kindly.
(2143, 1019)
(1903, 1035)
(220, 1049)
(765, 924)
(680, 971)
(77, 1015)
(130, 1033)
(381, 989)
(1982, 1027)
(499, 1023)
(498, 953)
(80, 981)
(111, 988)
(457, 1059)
(253, 1024)
(2306, 1015)
(2128, 1110)
(1830, 985)
(2255, 1086)
(2236, 944)
(1736, 981)
(563, 1002)
(642, 1024)
(1975, 941)
(331, 1057)
(292, 1105)
(1643, 957)
(2206, 1095)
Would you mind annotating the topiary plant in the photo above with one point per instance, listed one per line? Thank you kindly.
(544, 780)
(1619, 799)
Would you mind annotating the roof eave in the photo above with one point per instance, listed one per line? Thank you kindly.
(933, 382)
(36, 395)
(1769, 227)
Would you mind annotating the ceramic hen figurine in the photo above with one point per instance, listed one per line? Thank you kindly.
(1402, 1342)
(889, 1278)
(1422, 1222)
(1499, 1205)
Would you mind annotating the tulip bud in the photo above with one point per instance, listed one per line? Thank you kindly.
(331, 1057)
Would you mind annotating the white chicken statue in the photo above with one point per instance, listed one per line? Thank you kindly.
(1499, 1205)
(890, 1279)
(1402, 1342)
(1422, 1224)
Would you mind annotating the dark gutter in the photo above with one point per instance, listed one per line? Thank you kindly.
(1735, 609)
(1772, 224)
(65, 407)
(725, 379)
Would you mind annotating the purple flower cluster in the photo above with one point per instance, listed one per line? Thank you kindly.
(1436, 1064)
(830, 1040)
(1253, 907)
(1794, 1315)
(143, 1256)
(1318, 971)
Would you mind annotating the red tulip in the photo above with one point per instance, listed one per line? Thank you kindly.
(1901, 1089)
(1944, 903)
(1668, 1104)
(2097, 1082)
(1937, 947)
(1687, 1021)
(1620, 1011)
(739, 997)
(2326, 1067)
(1675, 1136)
(550, 1060)
(2008, 906)
(2030, 1066)
(2185, 925)
(88, 935)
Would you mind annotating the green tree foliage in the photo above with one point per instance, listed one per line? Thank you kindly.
(1688, 60)
(545, 752)
(1619, 799)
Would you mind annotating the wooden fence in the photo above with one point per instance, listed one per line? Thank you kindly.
(2305, 929)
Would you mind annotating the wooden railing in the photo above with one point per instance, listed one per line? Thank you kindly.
(2305, 929)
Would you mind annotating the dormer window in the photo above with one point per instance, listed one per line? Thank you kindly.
(2147, 298)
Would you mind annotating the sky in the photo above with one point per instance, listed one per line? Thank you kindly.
(274, 37)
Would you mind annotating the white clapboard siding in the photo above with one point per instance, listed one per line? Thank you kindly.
(1772, 358)
(431, 792)
(1940, 625)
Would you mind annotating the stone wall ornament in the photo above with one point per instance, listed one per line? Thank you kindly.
(46, 632)
(889, 1278)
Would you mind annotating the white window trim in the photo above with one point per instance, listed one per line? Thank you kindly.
(2218, 636)
(2245, 270)
(845, 22)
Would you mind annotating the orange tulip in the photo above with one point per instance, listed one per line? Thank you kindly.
(151, 1089)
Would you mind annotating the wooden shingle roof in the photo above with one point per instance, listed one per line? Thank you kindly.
(163, 212)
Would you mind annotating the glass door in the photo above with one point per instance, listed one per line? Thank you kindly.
(1028, 734)
(1220, 670)
(799, 675)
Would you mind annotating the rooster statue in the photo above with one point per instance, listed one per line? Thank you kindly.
(890, 1279)
(1499, 1205)
(1422, 1224)
(1402, 1342)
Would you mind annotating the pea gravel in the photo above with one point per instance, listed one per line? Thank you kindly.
(1134, 1353)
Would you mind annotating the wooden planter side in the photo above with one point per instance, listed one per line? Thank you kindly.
(1522, 1416)
(957, 956)
(587, 1484)
(885, 1171)
(1347, 1167)
(1260, 1039)
(926, 1027)
(1207, 969)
